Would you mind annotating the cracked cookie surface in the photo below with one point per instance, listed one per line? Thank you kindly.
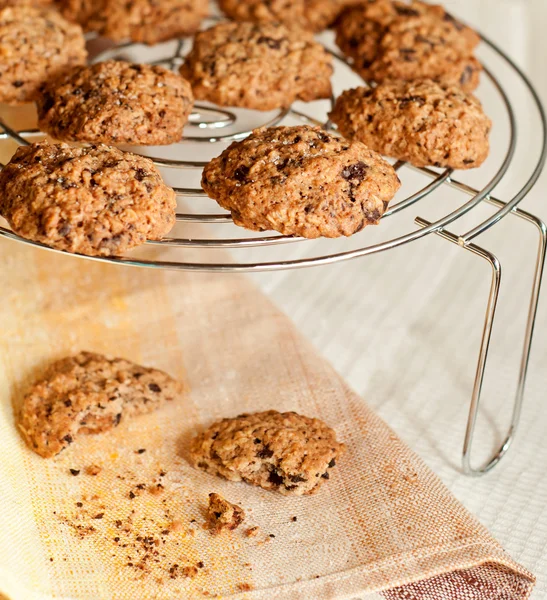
(393, 40)
(257, 65)
(146, 21)
(116, 102)
(286, 452)
(301, 181)
(314, 15)
(36, 44)
(421, 122)
(95, 200)
(89, 393)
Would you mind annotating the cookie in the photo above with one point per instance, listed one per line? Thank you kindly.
(276, 451)
(223, 515)
(257, 65)
(421, 122)
(301, 181)
(398, 41)
(147, 21)
(95, 200)
(116, 102)
(36, 45)
(36, 3)
(314, 15)
(89, 393)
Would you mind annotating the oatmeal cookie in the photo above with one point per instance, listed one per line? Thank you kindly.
(257, 65)
(95, 200)
(421, 122)
(314, 15)
(394, 40)
(223, 515)
(301, 181)
(89, 393)
(276, 451)
(146, 21)
(36, 45)
(116, 102)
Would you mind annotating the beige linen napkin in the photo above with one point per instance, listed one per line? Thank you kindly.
(383, 522)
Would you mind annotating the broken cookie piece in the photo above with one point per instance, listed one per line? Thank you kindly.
(222, 514)
(286, 452)
(89, 393)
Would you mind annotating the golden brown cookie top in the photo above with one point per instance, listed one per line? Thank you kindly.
(116, 102)
(422, 122)
(36, 44)
(301, 181)
(395, 40)
(314, 15)
(88, 393)
(95, 200)
(257, 65)
(147, 21)
(286, 452)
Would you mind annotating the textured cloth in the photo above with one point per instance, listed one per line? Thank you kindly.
(383, 521)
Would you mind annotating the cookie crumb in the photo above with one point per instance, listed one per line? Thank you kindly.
(245, 587)
(252, 532)
(222, 514)
(93, 470)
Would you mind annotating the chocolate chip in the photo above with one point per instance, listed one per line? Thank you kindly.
(466, 75)
(294, 519)
(274, 478)
(270, 42)
(257, 441)
(154, 387)
(297, 478)
(404, 102)
(325, 475)
(406, 11)
(356, 171)
(64, 231)
(140, 174)
(75, 472)
(68, 439)
(141, 450)
(161, 114)
(117, 419)
(332, 463)
(468, 161)
(68, 402)
(240, 174)
(18, 84)
(265, 453)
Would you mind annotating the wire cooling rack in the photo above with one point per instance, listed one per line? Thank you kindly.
(205, 239)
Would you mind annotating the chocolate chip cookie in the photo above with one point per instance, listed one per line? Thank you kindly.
(36, 45)
(89, 393)
(116, 102)
(301, 181)
(257, 65)
(314, 15)
(147, 21)
(421, 122)
(399, 41)
(95, 200)
(276, 451)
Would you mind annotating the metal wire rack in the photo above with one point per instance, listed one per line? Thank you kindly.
(210, 127)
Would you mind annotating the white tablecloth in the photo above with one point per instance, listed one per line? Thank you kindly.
(403, 328)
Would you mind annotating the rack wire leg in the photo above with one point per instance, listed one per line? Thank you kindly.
(486, 337)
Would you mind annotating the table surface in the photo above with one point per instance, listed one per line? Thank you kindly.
(404, 328)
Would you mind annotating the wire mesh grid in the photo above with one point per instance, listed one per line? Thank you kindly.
(218, 126)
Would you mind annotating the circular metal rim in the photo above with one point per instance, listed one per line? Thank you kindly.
(346, 255)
